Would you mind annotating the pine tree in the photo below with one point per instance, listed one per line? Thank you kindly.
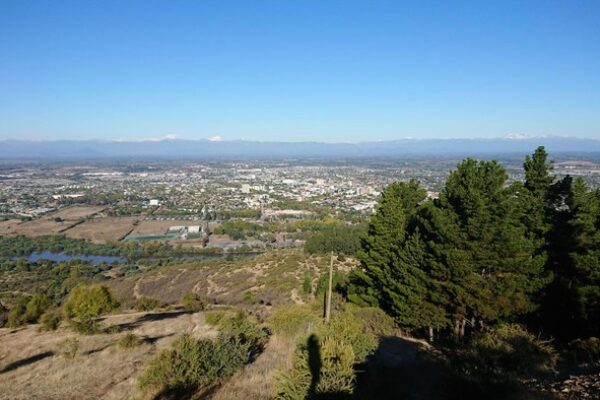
(538, 178)
(488, 263)
(394, 268)
(583, 278)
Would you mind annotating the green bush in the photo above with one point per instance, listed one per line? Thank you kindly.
(145, 303)
(50, 320)
(346, 328)
(337, 369)
(192, 302)
(307, 285)
(293, 320)
(295, 383)
(194, 365)
(374, 320)
(36, 306)
(86, 326)
(87, 302)
(28, 309)
(213, 318)
(129, 341)
(506, 353)
(582, 352)
(245, 329)
(331, 359)
(17, 315)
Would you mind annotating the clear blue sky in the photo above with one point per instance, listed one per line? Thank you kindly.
(298, 70)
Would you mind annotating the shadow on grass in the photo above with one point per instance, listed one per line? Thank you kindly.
(26, 361)
(127, 326)
(154, 339)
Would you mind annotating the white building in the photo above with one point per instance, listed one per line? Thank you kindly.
(193, 229)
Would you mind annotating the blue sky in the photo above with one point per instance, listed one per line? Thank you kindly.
(298, 70)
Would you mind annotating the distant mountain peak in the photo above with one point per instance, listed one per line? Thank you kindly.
(518, 136)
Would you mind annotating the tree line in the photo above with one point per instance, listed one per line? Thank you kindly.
(485, 252)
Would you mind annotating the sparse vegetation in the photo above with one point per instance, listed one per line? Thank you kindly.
(192, 302)
(69, 347)
(145, 303)
(129, 341)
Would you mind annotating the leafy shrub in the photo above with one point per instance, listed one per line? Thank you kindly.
(87, 302)
(213, 318)
(145, 303)
(192, 302)
(293, 320)
(346, 328)
(69, 347)
(28, 310)
(505, 353)
(583, 351)
(194, 364)
(50, 320)
(249, 296)
(326, 367)
(337, 369)
(85, 327)
(17, 314)
(245, 329)
(129, 341)
(307, 285)
(36, 306)
(374, 320)
(295, 383)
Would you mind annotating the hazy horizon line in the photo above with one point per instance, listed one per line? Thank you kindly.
(218, 139)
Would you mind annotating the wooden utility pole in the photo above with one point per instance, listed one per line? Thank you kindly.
(329, 288)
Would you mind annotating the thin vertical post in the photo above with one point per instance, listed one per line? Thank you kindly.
(329, 289)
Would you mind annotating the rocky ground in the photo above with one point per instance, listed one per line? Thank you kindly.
(573, 387)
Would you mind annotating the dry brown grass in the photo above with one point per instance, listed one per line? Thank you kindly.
(102, 230)
(33, 367)
(73, 213)
(8, 227)
(42, 226)
(256, 381)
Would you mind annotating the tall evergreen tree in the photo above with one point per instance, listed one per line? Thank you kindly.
(583, 276)
(394, 267)
(487, 262)
(538, 178)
